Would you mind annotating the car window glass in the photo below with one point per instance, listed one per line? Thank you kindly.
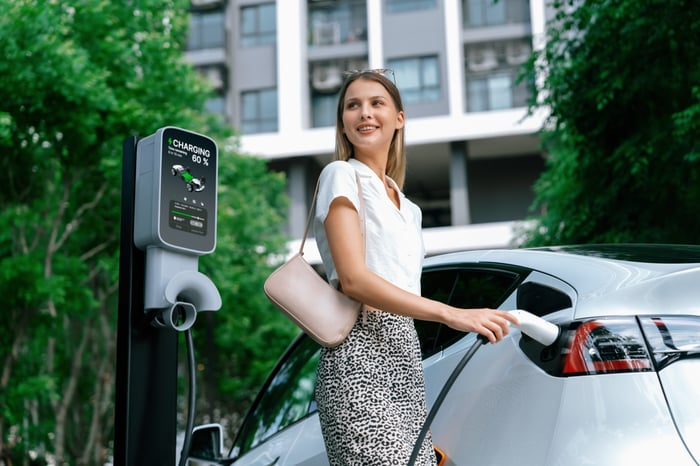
(437, 285)
(461, 287)
(286, 398)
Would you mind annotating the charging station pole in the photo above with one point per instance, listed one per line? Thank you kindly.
(145, 421)
(168, 219)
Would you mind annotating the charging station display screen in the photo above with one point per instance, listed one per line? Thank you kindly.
(188, 190)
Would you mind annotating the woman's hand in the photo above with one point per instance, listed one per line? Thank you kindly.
(491, 323)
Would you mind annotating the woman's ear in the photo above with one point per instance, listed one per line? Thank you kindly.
(399, 119)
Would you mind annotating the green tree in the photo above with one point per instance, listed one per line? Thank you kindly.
(76, 79)
(238, 345)
(621, 80)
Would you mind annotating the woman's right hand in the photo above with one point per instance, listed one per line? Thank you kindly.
(491, 323)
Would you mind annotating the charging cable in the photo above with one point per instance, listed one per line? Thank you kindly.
(480, 340)
(192, 398)
(546, 333)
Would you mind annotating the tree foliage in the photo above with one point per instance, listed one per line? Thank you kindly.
(621, 80)
(76, 79)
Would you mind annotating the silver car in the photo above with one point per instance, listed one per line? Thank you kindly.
(620, 386)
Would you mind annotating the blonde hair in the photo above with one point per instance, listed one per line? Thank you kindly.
(396, 162)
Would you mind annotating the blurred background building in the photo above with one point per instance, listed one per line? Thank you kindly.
(473, 152)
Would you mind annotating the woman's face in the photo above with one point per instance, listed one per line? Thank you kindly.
(370, 117)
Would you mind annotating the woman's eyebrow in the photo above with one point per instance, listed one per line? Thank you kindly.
(350, 99)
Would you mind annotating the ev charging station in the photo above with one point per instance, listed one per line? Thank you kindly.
(169, 203)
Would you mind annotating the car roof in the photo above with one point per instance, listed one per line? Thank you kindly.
(603, 275)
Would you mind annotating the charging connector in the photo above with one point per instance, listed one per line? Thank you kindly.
(546, 333)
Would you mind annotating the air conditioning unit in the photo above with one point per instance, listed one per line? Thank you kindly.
(326, 34)
(356, 65)
(482, 59)
(517, 53)
(326, 78)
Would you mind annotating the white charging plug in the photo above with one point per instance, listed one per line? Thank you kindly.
(539, 329)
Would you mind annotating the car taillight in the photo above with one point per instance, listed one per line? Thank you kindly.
(617, 344)
(671, 338)
(603, 346)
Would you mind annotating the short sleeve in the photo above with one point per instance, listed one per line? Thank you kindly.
(337, 180)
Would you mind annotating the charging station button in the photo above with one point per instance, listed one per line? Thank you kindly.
(188, 218)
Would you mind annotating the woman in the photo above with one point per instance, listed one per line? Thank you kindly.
(370, 389)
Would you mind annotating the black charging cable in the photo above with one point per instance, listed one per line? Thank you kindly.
(192, 397)
(480, 340)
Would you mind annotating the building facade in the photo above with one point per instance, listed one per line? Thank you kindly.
(473, 152)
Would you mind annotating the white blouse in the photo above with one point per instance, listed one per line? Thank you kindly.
(393, 238)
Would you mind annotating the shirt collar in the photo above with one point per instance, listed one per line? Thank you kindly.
(361, 168)
(365, 171)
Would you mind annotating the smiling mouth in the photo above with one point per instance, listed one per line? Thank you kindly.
(366, 128)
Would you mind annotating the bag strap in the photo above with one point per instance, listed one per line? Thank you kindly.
(313, 204)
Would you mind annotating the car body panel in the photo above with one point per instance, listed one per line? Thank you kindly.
(681, 382)
(579, 420)
(301, 444)
(309, 449)
(488, 404)
(668, 294)
(615, 419)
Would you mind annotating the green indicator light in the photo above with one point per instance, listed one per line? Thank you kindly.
(181, 213)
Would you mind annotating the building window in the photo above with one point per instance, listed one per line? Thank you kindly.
(258, 25)
(216, 104)
(207, 30)
(496, 92)
(338, 22)
(418, 78)
(323, 111)
(259, 111)
(398, 6)
(483, 13)
(216, 76)
(492, 70)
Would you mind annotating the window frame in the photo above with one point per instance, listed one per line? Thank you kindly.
(200, 29)
(511, 12)
(517, 91)
(257, 35)
(422, 92)
(259, 123)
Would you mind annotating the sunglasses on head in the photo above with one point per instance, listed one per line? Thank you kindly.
(383, 71)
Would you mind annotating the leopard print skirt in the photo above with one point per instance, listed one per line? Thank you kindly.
(371, 394)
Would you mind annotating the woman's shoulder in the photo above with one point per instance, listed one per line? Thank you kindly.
(338, 168)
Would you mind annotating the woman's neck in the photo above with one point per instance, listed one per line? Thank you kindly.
(376, 162)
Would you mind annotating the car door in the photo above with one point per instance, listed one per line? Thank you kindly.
(486, 404)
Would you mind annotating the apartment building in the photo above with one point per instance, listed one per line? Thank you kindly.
(473, 152)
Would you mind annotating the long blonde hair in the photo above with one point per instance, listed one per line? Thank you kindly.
(396, 162)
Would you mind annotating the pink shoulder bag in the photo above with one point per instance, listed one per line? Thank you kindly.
(321, 311)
